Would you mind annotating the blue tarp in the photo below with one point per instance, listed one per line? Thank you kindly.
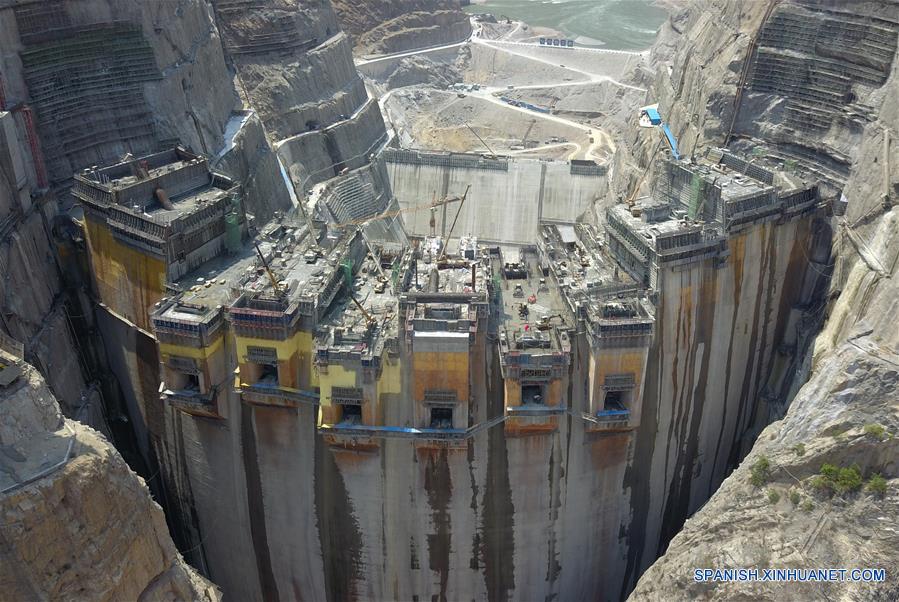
(653, 115)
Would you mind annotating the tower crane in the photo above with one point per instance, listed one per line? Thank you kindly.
(443, 203)
(458, 211)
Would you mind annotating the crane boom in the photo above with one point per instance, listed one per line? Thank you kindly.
(458, 211)
(633, 195)
(367, 315)
(268, 270)
(481, 139)
(524, 138)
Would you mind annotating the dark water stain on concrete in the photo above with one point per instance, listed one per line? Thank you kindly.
(635, 474)
(185, 521)
(256, 505)
(414, 563)
(497, 520)
(738, 253)
(439, 489)
(553, 568)
(693, 398)
(474, 563)
(338, 528)
(749, 391)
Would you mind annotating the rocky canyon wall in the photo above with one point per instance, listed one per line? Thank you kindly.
(267, 506)
(77, 523)
(82, 84)
(382, 27)
(295, 67)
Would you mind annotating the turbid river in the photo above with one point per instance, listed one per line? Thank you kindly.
(615, 24)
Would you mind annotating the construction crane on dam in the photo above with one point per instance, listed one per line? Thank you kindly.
(524, 139)
(461, 201)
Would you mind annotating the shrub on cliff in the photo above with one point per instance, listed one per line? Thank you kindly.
(838, 480)
(875, 431)
(877, 484)
(760, 471)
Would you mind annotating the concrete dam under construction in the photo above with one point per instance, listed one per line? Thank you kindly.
(353, 369)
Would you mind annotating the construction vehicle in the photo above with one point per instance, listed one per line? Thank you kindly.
(524, 139)
(545, 321)
(492, 154)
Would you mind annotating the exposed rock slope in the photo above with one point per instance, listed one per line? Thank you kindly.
(87, 529)
(295, 67)
(384, 26)
(97, 80)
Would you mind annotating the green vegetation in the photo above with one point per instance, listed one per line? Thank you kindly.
(875, 431)
(877, 484)
(794, 497)
(799, 449)
(808, 506)
(773, 496)
(838, 480)
(760, 471)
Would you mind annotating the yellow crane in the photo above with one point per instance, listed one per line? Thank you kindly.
(368, 317)
(268, 270)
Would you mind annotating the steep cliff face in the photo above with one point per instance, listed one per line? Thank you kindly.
(295, 67)
(77, 524)
(381, 27)
(779, 508)
(106, 78)
(846, 416)
(83, 84)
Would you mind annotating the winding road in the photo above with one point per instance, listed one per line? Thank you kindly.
(601, 139)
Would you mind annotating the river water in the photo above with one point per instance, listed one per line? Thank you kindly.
(614, 24)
